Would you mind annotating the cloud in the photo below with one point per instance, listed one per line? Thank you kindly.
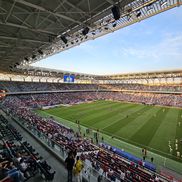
(86, 46)
(169, 47)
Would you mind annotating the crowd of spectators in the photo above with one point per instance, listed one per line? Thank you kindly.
(18, 159)
(143, 87)
(55, 132)
(14, 86)
(51, 99)
(114, 167)
(21, 106)
(58, 134)
(144, 98)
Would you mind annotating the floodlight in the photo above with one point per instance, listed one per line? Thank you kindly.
(114, 24)
(115, 12)
(34, 56)
(85, 31)
(26, 59)
(40, 52)
(64, 39)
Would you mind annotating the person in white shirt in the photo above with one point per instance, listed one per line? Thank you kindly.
(23, 165)
(156, 179)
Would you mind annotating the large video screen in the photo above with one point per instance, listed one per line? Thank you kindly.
(69, 78)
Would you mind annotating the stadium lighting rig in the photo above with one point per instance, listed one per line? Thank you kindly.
(118, 18)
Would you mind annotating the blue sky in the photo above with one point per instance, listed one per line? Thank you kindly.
(150, 45)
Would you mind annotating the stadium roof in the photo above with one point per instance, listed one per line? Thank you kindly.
(31, 30)
(45, 72)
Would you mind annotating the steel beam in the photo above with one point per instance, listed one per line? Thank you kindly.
(43, 9)
(51, 14)
(10, 11)
(22, 39)
(111, 2)
(27, 28)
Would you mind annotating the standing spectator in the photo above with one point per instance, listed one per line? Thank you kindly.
(78, 168)
(142, 151)
(99, 178)
(143, 158)
(96, 140)
(69, 165)
(145, 152)
(74, 153)
(152, 159)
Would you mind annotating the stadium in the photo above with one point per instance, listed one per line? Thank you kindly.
(59, 125)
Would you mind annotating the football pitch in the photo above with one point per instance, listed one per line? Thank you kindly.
(152, 127)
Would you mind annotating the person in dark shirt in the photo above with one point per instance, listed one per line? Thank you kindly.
(99, 178)
(70, 161)
(74, 153)
(152, 159)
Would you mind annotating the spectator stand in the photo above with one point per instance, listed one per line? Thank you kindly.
(63, 149)
(30, 163)
(130, 157)
(59, 150)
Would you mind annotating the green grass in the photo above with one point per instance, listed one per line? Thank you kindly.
(131, 124)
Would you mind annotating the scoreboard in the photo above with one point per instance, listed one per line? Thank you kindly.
(69, 78)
